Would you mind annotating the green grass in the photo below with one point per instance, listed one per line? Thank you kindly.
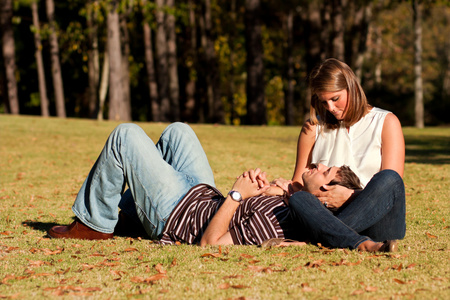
(44, 162)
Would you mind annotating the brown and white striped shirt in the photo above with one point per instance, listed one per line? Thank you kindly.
(255, 220)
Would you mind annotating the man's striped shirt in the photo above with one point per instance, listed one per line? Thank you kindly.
(255, 220)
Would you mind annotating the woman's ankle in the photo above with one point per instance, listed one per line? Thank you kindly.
(369, 246)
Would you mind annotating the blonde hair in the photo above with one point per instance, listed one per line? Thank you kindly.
(333, 75)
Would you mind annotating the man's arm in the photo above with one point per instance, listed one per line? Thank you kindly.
(217, 231)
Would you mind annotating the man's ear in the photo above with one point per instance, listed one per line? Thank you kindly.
(322, 188)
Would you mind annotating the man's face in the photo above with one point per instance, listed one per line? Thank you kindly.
(317, 176)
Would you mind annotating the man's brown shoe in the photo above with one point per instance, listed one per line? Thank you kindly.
(77, 230)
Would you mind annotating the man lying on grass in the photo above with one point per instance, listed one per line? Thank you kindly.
(172, 195)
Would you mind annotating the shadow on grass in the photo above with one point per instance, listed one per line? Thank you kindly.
(427, 149)
(123, 231)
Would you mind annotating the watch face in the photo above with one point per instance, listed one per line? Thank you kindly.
(236, 196)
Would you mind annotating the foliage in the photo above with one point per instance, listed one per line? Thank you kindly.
(45, 162)
(392, 18)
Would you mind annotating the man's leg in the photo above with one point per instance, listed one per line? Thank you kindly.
(130, 156)
(180, 148)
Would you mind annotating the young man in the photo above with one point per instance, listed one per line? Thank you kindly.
(175, 174)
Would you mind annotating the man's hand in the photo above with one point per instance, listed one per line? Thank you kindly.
(251, 183)
(334, 196)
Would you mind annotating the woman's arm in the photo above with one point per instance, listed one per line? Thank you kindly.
(392, 145)
(217, 231)
(305, 144)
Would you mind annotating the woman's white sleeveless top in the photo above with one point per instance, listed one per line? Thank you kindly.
(359, 148)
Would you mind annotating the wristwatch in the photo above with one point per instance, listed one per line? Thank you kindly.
(236, 196)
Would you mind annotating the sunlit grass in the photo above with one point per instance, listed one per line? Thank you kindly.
(44, 162)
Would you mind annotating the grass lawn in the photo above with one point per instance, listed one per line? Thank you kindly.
(44, 162)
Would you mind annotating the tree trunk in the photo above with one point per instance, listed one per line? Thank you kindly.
(190, 64)
(116, 92)
(39, 61)
(161, 63)
(418, 86)
(125, 41)
(256, 105)
(174, 89)
(8, 47)
(150, 64)
(56, 67)
(360, 32)
(378, 58)
(231, 59)
(93, 57)
(338, 30)
(215, 108)
(289, 87)
(103, 89)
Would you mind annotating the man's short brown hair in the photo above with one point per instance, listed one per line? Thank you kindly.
(346, 177)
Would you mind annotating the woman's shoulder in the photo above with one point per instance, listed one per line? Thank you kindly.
(378, 111)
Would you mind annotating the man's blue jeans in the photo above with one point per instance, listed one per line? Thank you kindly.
(377, 213)
(158, 177)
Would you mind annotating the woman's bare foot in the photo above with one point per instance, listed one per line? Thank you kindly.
(371, 246)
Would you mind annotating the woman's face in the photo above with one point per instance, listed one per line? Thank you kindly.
(334, 102)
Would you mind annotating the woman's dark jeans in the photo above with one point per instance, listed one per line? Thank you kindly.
(377, 213)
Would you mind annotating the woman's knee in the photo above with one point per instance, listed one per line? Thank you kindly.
(388, 179)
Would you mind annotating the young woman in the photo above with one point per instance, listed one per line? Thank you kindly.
(345, 129)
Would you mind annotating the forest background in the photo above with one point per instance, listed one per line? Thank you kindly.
(219, 61)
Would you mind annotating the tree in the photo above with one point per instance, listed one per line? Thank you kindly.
(39, 61)
(117, 105)
(150, 64)
(190, 64)
(9, 56)
(161, 62)
(56, 67)
(214, 104)
(93, 56)
(289, 87)
(256, 105)
(338, 30)
(172, 63)
(418, 85)
(359, 32)
(126, 54)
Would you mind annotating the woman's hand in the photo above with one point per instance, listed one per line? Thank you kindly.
(334, 196)
(282, 183)
(274, 190)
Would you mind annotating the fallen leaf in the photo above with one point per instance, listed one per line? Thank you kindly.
(371, 288)
(159, 268)
(174, 263)
(240, 286)
(224, 286)
(358, 292)
(399, 281)
(211, 255)
(130, 250)
(282, 254)
(233, 276)
(155, 278)
(431, 236)
(244, 255)
(377, 270)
